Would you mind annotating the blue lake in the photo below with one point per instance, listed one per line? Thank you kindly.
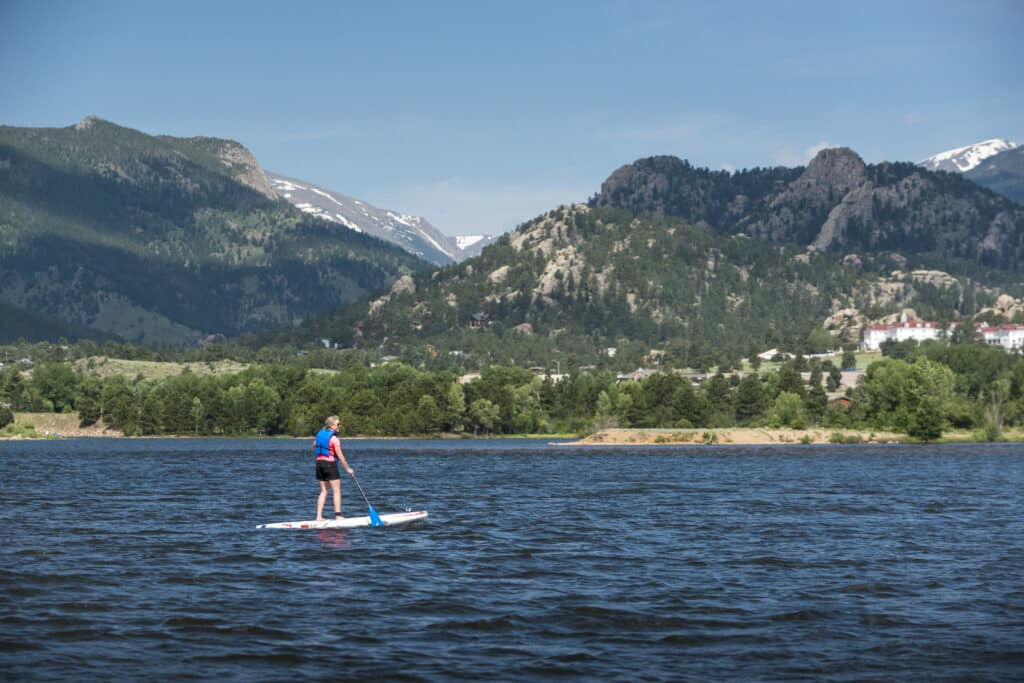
(131, 559)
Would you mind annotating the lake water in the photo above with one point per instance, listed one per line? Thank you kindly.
(131, 559)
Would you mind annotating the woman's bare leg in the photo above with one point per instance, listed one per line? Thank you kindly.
(336, 489)
(321, 499)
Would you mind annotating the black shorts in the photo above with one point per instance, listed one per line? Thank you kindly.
(327, 470)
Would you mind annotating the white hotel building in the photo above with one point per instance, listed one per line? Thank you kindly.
(906, 328)
(1009, 336)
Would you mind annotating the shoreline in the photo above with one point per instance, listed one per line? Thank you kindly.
(728, 436)
(49, 426)
(754, 436)
(65, 426)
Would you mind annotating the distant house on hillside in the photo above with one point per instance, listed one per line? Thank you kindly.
(773, 354)
(906, 328)
(479, 320)
(636, 376)
(837, 400)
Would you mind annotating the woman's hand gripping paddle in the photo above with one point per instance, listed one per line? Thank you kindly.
(375, 519)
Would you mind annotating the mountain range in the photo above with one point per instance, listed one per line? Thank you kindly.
(164, 240)
(413, 233)
(111, 233)
(836, 203)
(708, 265)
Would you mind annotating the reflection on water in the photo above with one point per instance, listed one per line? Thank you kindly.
(335, 539)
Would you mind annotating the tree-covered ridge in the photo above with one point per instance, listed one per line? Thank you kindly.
(161, 239)
(838, 203)
(579, 280)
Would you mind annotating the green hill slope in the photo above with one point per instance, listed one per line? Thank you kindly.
(164, 240)
(579, 280)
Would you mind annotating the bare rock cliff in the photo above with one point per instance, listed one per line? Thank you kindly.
(245, 168)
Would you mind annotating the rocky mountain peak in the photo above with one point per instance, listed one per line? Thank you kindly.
(837, 167)
(247, 169)
(643, 182)
(87, 122)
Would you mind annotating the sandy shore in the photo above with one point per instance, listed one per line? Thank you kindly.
(64, 425)
(732, 435)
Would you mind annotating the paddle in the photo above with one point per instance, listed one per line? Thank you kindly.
(374, 517)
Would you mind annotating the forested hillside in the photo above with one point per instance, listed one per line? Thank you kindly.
(580, 280)
(108, 231)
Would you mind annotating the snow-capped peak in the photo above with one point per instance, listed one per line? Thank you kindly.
(963, 159)
(412, 233)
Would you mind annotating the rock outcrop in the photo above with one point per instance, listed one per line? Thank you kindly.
(836, 203)
(245, 168)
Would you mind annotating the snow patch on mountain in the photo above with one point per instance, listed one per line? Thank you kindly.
(468, 240)
(963, 159)
(412, 233)
(282, 185)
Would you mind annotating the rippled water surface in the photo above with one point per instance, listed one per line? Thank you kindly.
(125, 559)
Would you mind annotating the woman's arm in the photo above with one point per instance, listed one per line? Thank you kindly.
(336, 446)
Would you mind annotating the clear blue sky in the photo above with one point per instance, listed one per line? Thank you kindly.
(480, 115)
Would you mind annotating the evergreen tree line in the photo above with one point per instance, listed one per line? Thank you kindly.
(919, 390)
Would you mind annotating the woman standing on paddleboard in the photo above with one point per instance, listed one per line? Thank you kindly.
(328, 455)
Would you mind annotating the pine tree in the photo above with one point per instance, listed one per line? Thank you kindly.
(751, 401)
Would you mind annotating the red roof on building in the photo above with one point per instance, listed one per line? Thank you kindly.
(1004, 327)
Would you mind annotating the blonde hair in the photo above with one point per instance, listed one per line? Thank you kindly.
(333, 419)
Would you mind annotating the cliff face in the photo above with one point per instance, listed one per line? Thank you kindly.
(793, 213)
(836, 203)
(246, 169)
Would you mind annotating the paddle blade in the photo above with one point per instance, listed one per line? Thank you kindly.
(375, 519)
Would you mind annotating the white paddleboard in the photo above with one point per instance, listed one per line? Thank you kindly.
(390, 519)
